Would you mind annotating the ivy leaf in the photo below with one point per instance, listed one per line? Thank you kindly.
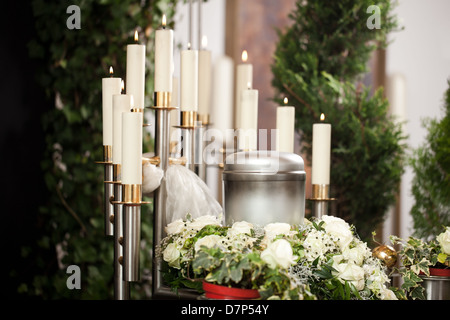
(219, 275)
(418, 293)
(442, 257)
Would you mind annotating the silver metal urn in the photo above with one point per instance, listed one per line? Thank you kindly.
(263, 187)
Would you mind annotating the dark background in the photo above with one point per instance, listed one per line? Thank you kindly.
(23, 102)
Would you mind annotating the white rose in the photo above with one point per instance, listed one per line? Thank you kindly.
(444, 241)
(279, 253)
(274, 229)
(356, 254)
(387, 294)
(175, 227)
(202, 221)
(314, 245)
(350, 272)
(240, 228)
(207, 241)
(171, 255)
(338, 228)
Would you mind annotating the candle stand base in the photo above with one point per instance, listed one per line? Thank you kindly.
(320, 200)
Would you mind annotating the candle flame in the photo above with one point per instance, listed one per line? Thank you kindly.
(164, 20)
(204, 42)
(111, 71)
(136, 37)
(285, 100)
(122, 85)
(249, 85)
(244, 56)
(322, 117)
(189, 46)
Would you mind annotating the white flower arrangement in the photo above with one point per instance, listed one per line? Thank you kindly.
(321, 259)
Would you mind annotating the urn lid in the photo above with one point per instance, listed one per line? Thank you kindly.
(264, 162)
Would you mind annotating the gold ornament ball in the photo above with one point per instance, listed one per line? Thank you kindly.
(386, 254)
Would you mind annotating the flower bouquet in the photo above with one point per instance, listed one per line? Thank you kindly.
(320, 259)
(421, 258)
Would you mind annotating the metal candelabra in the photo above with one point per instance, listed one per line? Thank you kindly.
(122, 202)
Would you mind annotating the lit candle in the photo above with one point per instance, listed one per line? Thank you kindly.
(189, 80)
(248, 136)
(204, 79)
(163, 58)
(132, 147)
(110, 87)
(285, 126)
(244, 76)
(135, 80)
(121, 103)
(222, 97)
(321, 152)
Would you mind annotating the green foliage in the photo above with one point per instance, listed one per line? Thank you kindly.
(431, 183)
(317, 260)
(417, 257)
(319, 65)
(73, 63)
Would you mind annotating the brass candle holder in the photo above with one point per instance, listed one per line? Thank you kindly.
(320, 198)
(108, 208)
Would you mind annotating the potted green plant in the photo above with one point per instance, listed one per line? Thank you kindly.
(319, 259)
(425, 267)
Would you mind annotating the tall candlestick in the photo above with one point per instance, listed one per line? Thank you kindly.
(286, 127)
(163, 58)
(121, 103)
(204, 79)
(110, 87)
(321, 153)
(244, 77)
(189, 80)
(248, 137)
(135, 80)
(132, 148)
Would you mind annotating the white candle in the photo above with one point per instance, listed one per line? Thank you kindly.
(121, 103)
(286, 128)
(204, 80)
(222, 97)
(396, 94)
(135, 80)
(163, 58)
(248, 137)
(110, 87)
(132, 147)
(189, 80)
(321, 153)
(244, 77)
